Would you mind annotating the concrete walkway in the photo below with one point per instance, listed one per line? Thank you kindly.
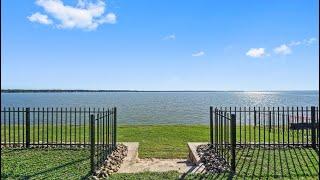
(132, 163)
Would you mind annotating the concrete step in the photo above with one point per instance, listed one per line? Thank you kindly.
(193, 155)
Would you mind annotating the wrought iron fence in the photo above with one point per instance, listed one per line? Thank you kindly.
(103, 136)
(275, 127)
(223, 137)
(25, 127)
(61, 127)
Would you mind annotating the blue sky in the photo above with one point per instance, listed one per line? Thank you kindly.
(160, 45)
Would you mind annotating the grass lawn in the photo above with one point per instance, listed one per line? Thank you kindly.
(163, 141)
(160, 141)
(157, 141)
(41, 164)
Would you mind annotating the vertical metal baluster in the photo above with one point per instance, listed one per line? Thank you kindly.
(19, 142)
(220, 129)
(42, 126)
(307, 121)
(66, 126)
(288, 124)
(52, 125)
(235, 112)
(84, 126)
(5, 125)
(34, 125)
(80, 125)
(89, 120)
(14, 125)
(38, 117)
(92, 143)
(264, 126)
(298, 131)
(278, 127)
(47, 126)
(97, 135)
(23, 124)
(270, 121)
(274, 125)
(75, 126)
(259, 133)
(111, 130)
(108, 130)
(224, 128)
(211, 125)
(245, 125)
(302, 118)
(9, 142)
(101, 137)
(250, 126)
(292, 121)
(240, 125)
(56, 125)
(254, 124)
(103, 133)
(283, 126)
(61, 126)
(317, 121)
(70, 118)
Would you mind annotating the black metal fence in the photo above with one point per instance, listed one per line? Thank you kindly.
(275, 127)
(25, 127)
(103, 136)
(223, 137)
(61, 127)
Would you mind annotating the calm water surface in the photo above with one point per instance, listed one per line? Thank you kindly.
(161, 107)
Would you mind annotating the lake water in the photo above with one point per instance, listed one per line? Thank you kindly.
(161, 107)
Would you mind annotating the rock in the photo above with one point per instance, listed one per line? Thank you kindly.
(211, 159)
(113, 162)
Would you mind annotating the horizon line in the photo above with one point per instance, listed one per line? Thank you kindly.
(125, 90)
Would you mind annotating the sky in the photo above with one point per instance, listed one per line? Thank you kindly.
(160, 45)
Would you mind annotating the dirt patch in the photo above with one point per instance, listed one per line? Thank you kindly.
(156, 165)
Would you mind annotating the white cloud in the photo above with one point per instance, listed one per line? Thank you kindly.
(303, 42)
(40, 18)
(309, 41)
(170, 37)
(283, 50)
(197, 54)
(256, 52)
(85, 15)
(294, 43)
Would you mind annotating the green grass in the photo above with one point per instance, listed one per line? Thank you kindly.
(288, 163)
(41, 164)
(162, 141)
(159, 141)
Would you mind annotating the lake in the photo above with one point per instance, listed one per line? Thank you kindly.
(161, 107)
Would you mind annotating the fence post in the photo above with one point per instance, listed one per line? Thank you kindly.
(115, 128)
(216, 125)
(211, 126)
(92, 143)
(313, 129)
(27, 127)
(233, 142)
(255, 117)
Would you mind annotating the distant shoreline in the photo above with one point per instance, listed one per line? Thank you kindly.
(82, 90)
